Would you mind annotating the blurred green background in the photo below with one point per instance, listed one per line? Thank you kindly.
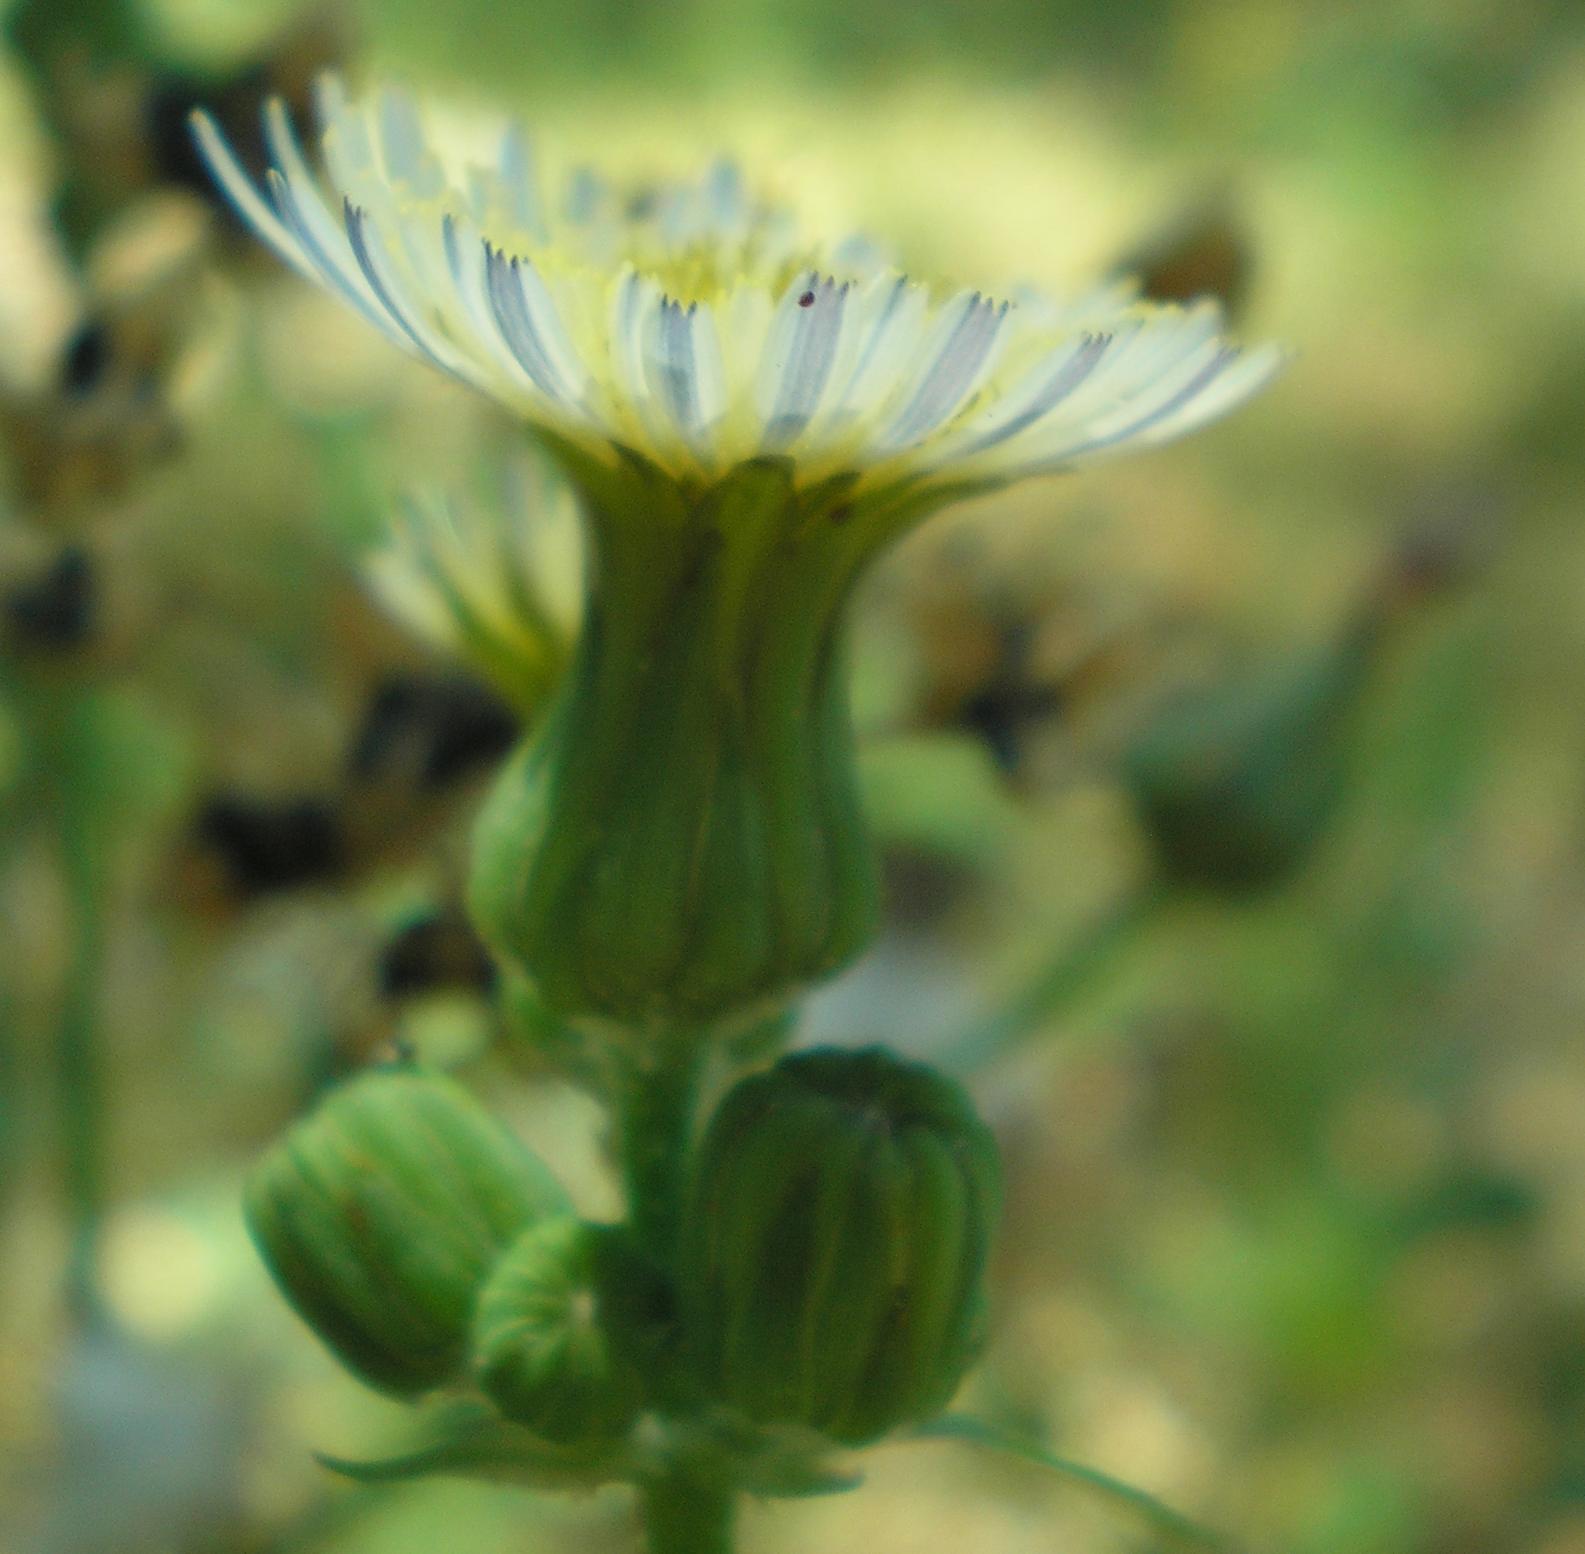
(1296, 1150)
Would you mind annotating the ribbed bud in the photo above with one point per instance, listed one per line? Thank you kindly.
(681, 839)
(833, 1262)
(382, 1213)
(1236, 786)
(547, 1345)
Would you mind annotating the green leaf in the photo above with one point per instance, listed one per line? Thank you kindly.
(1168, 1523)
(771, 1464)
(485, 1447)
(773, 1476)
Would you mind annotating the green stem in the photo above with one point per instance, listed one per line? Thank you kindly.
(73, 754)
(655, 1118)
(1074, 971)
(655, 1114)
(683, 1516)
(79, 1073)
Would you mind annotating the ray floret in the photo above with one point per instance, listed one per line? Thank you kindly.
(690, 325)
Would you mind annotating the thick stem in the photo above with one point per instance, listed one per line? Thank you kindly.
(683, 1516)
(655, 1113)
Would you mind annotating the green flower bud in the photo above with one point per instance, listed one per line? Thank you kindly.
(1236, 786)
(548, 1341)
(381, 1215)
(682, 839)
(833, 1262)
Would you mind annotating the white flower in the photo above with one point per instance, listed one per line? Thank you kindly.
(689, 325)
(496, 584)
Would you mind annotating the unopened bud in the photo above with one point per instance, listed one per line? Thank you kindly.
(544, 1348)
(381, 1215)
(833, 1262)
(1236, 786)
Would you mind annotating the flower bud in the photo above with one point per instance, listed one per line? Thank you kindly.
(1236, 786)
(833, 1263)
(547, 1344)
(381, 1215)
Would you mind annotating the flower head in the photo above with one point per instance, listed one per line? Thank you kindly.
(495, 584)
(689, 324)
(747, 421)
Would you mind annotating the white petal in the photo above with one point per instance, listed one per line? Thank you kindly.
(896, 314)
(331, 269)
(547, 322)
(1041, 393)
(374, 260)
(669, 364)
(244, 197)
(1240, 380)
(962, 353)
(518, 326)
(799, 356)
(1170, 393)
(519, 176)
(407, 156)
(298, 198)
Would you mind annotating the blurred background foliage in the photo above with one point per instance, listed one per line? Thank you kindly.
(1232, 798)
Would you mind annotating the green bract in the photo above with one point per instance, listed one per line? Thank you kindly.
(544, 1349)
(834, 1253)
(682, 839)
(381, 1214)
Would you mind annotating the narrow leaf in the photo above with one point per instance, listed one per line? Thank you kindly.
(1170, 1524)
(493, 1450)
(776, 1478)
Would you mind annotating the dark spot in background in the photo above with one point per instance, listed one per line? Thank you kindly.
(85, 358)
(921, 887)
(56, 610)
(440, 951)
(432, 732)
(1001, 711)
(1202, 251)
(273, 844)
(237, 106)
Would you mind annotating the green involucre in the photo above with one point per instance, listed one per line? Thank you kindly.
(833, 1262)
(681, 839)
(381, 1214)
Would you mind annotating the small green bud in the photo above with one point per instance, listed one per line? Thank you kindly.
(381, 1215)
(1237, 785)
(833, 1261)
(545, 1346)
